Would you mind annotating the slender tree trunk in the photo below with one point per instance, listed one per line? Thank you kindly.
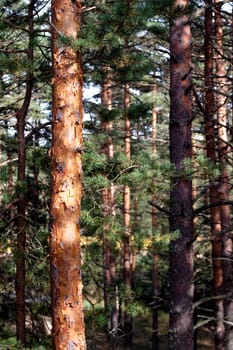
(109, 260)
(181, 217)
(213, 191)
(223, 190)
(10, 175)
(127, 272)
(66, 188)
(155, 284)
(35, 190)
(21, 200)
(113, 274)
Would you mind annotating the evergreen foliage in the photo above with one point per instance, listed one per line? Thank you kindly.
(130, 39)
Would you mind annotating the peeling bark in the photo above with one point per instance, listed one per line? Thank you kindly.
(66, 188)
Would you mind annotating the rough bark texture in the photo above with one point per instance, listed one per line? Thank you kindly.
(21, 200)
(181, 212)
(127, 268)
(223, 190)
(66, 188)
(213, 191)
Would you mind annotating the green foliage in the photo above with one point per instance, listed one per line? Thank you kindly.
(161, 240)
(96, 317)
(141, 110)
(128, 41)
(207, 168)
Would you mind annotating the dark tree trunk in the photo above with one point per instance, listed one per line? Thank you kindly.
(181, 211)
(66, 187)
(21, 200)
(223, 190)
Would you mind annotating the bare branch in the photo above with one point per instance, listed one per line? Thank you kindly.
(209, 206)
(165, 211)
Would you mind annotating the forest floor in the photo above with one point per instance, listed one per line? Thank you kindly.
(96, 338)
(142, 336)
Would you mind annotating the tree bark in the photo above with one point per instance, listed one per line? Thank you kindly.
(213, 191)
(223, 190)
(109, 260)
(66, 188)
(21, 200)
(181, 211)
(127, 270)
(155, 285)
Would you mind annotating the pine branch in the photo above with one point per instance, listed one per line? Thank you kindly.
(209, 206)
(204, 300)
(37, 129)
(203, 323)
(165, 211)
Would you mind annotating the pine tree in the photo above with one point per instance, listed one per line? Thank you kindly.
(127, 267)
(21, 200)
(181, 212)
(66, 170)
(211, 154)
(223, 189)
(109, 259)
(155, 253)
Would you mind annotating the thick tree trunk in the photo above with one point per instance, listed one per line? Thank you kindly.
(181, 217)
(127, 270)
(223, 190)
(66, 188)
(21, 200)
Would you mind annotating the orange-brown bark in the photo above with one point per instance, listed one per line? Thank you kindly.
(66, 188)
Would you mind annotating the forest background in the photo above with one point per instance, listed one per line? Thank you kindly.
(128, 172)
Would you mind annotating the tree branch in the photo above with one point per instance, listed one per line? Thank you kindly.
(209, 206)
(165, 211)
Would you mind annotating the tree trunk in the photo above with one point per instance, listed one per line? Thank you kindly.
(213, 191)
(66, 188)
(109, 260)
(21, 200)
(181, 211)
(35, 188)
(155, 285)
(127, 271)
(223, 190)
